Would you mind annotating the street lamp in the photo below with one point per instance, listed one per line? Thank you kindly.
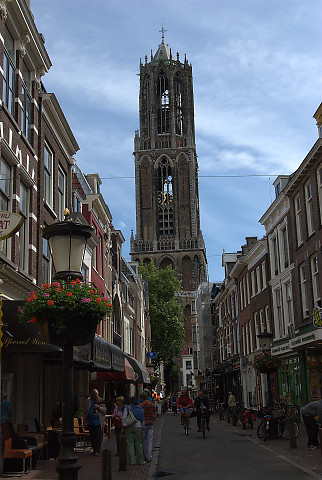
(265, 342)
(67, 240)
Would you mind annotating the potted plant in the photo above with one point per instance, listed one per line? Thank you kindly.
(266, 362)
(67, 312)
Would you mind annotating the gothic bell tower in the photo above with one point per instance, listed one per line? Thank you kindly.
(166, 171)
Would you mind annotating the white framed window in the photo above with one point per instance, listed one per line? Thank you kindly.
(48, 176)
(279, 320)
(251, 345)
(305, 310)
(284, 246)
(261, 321)
(5, 196)
(267, 320)
(244, 292)
(252, 283)
(309, 208)
(319, 182)
(26, 102)
(315, 281)
(77, 203)
(61, 194)
(258, 281)
(264, 282)
(257, 329)
(247, 289)
(46, 262)
(289, 302)
(275, 258)
(8, 91)
(24, 230)
(298, 219)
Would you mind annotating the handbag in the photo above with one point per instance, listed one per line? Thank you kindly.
(130, 419)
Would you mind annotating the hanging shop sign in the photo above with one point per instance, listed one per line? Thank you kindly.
(9, 224)
(317, 317)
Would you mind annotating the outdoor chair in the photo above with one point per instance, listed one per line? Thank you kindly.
(14, 449)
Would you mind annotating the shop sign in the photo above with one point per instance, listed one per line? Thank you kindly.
(303, 339)
(9, 224)
(317, 317)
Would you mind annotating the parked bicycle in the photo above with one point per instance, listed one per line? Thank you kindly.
(285, 425)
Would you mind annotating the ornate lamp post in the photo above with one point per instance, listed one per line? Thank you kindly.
(265, 342)
(67, 242)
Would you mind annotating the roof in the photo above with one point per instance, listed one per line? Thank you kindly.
(163, 53)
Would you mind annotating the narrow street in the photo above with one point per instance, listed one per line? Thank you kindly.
(227, 453)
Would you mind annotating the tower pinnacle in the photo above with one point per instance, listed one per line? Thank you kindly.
(162, 31)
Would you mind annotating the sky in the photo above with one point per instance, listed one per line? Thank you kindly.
(257, 84)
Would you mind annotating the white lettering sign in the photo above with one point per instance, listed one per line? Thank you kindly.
(9, 224)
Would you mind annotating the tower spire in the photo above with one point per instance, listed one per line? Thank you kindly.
(162, 31)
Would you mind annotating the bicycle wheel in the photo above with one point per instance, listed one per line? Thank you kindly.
(262, 429)
(286, 426)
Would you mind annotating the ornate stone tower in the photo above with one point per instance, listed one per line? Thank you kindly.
(166, 171)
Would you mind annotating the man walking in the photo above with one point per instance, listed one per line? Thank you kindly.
(149, 416)
(95, 418)
(200, 404)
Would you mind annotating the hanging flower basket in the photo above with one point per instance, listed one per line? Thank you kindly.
(266, 363)
(67, 312)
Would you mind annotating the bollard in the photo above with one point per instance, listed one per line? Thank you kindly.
(291, 428)
(123, 454)
(106, 465)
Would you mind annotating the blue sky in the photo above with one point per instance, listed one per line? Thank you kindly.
(257, 83)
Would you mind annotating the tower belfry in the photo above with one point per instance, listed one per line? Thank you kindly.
(166, 170)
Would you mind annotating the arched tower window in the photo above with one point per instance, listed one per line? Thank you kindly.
(165, 198)
(163, 103)
(146, 107)
(178, 103)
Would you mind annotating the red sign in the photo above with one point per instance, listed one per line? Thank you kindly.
(9, 224)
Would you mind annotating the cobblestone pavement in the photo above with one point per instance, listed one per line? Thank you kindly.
(310, 460)
(91, 467)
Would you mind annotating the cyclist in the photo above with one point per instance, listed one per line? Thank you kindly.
(202, 403)
(184, 403)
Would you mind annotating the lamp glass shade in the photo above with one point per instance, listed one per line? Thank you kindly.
(67, 252)
(265, 340)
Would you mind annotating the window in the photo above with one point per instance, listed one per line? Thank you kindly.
(24, 230)
(163, 112)
(252, 279)
(267, 320)
(8, 94)
(279, 321)
(26, 103)
(309, 208)
(48, 176)
(315, 281)
(275, 256)
(288, 297)
(61, 194)
(46, 262)
(305, 310)
(241, 295)
(264, 275)
(285, 248)
(258, 281)
(298, 219)
(165, 199)
(5, 196)
(85, 273)
(319, 180)
(188, 365)
(178, 103)
(77, 203)
(277, 189)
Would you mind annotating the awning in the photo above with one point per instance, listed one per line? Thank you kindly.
(24, 337)
(107, 356)
(141, 373)
(127, 376)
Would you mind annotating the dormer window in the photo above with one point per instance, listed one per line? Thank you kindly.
(277, 189)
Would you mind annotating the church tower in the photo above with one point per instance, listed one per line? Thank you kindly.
(166, 171)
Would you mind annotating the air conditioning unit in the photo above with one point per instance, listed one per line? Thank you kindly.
(290, 330)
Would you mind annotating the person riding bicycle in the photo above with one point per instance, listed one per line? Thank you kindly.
(201, 404)
(184, 403)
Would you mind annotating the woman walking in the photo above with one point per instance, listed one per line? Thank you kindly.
(117, 420)
(134, 432)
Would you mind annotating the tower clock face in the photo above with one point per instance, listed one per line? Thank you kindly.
(165, 198)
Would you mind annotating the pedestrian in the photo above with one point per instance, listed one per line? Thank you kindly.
(6, 409)
(165, 404)
(309, 412)
(117, 420)
(202, 403)
(232, 407)
(134, 432)
(95, 419)
(174, 404)
(149, 416)
(147, 391)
